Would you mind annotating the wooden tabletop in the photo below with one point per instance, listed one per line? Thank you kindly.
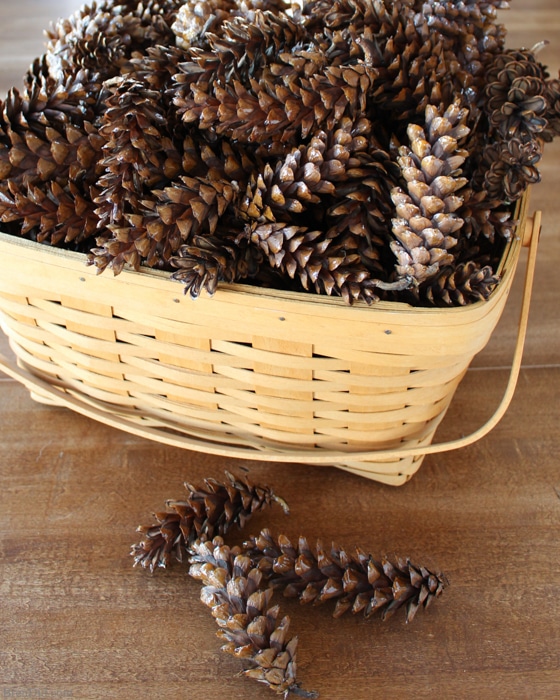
(77, 620)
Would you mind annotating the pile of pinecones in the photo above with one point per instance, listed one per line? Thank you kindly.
(362, 148)
(238, 582)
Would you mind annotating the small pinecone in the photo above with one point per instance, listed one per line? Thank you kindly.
(355, 580)
(208, 260)
(426, 214)
(485, 217)
(251, 630)
(515, 95)
(509, 167)
(553, 113)
(48, 212)
(48, 164)
(212, 509)
(194, 204)
(464, 284)
(273, 109)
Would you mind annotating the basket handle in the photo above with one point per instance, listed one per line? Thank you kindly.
(95, 409)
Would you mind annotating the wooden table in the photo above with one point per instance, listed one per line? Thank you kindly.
(76, 620)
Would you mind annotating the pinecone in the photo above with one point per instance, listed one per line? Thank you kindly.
(327, 264)
(426, 214)
(208, 260)
(48, 161)
(211, 509)
(509, 167)
(101, 38)
(277, 108)
(515, 95)
(251, 630)
(138, 157)
(553, 113)
(355, 580)
(464, 284)
(484, 217)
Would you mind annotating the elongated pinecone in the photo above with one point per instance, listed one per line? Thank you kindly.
(138, 157)
(426, 213)
(251, 629)
(211, 509)
(355, 580)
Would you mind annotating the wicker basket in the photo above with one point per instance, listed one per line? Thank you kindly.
(252, 373)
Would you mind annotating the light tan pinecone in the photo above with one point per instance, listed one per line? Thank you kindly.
(352, 579)
(214, 508)
(250, 629)
(426, 218)
(195, 17)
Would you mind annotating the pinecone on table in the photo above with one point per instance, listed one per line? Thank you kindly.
(251, 629)
(353, 579)
(208, 510)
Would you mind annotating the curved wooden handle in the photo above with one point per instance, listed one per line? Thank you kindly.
(98, 411)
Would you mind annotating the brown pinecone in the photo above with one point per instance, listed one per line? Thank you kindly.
(273, 108)
(485, 217)
(426, 213)
(209, 510)
(463, 284)
(251, 630)
(515, 95)
(355, 580)
(194, 204)
(553, 113)
(102, 39)
(208, 260)
(320, 261)
(509, 167)
(138, 157)
(297, 180)
(48, 161)
(48, 212)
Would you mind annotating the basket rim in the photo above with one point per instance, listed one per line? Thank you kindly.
(316, 303)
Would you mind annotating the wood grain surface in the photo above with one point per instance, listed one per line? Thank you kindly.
(76, 620)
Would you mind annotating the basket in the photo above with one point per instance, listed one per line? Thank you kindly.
(249, 373)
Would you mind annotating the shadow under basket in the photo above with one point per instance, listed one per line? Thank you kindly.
(249, 373)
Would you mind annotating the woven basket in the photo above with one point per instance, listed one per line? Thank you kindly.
(253, 373)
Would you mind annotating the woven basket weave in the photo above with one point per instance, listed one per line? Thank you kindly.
(252, 373)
